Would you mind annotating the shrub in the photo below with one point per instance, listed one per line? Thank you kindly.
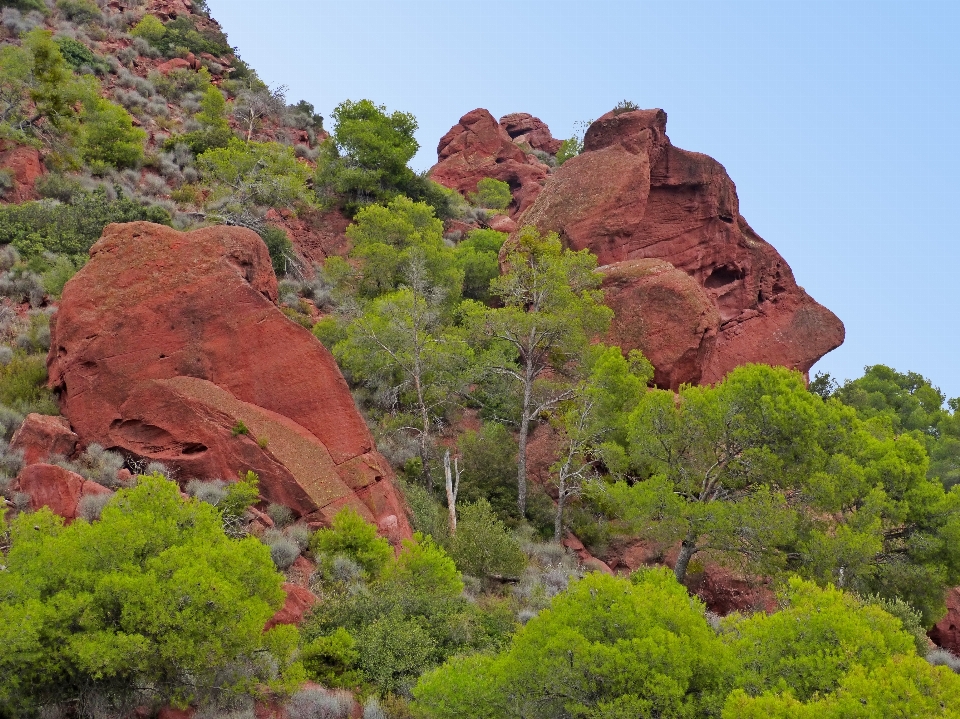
(281, 516)
(150, 28)
(179, 606)
(283, 550)
(943, 658)
(70, 228)
(239, 428)
(79, 55)
(569, 148)
(492, 194)
(478, 257)
(299, 535)
(351, 536)
(109, 137)
(482, 546)
(625, 106)
(212, 492)
(489, 460)
(62, 268)
(316, 703)
(279, 246)
(23, 385)
(91, 506)
(100, 465)
(332, 659)
(56, 186)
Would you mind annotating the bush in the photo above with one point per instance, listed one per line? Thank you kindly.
(79, 56)
(489, 461)
(109, 137)
(279, 246)
(72, 228)
(492, 194)
(332, 659)
(179, 606)
(91, 506)
(150, 28)
(350, 536)
(23, 385)
(482, 546)
(283, 550)
(316, 703)
(79, 11)
(479, 258)
(281, 516)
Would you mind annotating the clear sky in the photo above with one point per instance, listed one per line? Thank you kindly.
(839, 121)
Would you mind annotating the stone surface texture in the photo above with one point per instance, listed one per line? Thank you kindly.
(167, 344)
(478, 147)
(41, 436)
(632, 197)
(525, 128)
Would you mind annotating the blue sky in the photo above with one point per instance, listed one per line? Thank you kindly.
(839, 121)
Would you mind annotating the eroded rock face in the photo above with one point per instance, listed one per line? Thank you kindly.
(632, 196)
(57, 488)
(946, 632)
(41, 436)
(25, 168)
(167, 344)
(478, 147)
(525, 128)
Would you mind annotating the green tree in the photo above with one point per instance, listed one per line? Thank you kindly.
(214, 131)
(351, 536)
(108, 137)
(478, 257)
(152, 595)
(482, 546)
(248, 178)
(607, 647)
(493, 194)
(365, 158)
(552, 307)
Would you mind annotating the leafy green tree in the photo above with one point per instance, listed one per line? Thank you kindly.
(351, 536)
(552, 307)
(482, 546)
(488, 461)
(248, 178)
(390, 240)
(607, 647)
(365, 158)
(108, 137)
(279, 247)
(214, 129)
(152, 595)
(492, 193)
(478, 257)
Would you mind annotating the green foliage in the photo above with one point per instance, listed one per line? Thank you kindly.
(760, 469)
(239, 428)
(606, 647)
(352, 537)
(365, 158)
(331, 660)
(26, 5)
(915, 407)
(180, 36)
(489, 463)
(240, 495)
(62, 268)
(70, 228)
(279, 247)
(150, 28)
(23, 383)
(493, 194)
(482, 546)
(79, 11)
(215, 130)
(108, 136)
(478, 257)
(245, 176)
(151, 594)
(79, 55)
(625, 106)
(181, 81)
(570, 147)
(390, 239)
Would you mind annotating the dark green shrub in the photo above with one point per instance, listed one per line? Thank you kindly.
(108, 136)
(25, 5)
(23, 384)
(332, 660)
(478, 257)
(79, 11)
(489, 461)
(79, 55)
(55, 186)
(71, 228)
(352, 537)
(492, 194)
(482, 546)
(625, 106)
(279, 246)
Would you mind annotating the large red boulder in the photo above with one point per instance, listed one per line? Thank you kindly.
(296, 604)
(25, 167)
(527, 129)
(631, 195)
(57, 488)
(478, 147)
(946, 632)
(41, 436)
(168, 346)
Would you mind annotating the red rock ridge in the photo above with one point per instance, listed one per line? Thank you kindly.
(167, 344)
(631, 196)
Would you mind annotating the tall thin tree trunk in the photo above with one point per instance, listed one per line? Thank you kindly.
(453, 488)
(688, 547)
(524, 434)
(558, 517)
(425, 420)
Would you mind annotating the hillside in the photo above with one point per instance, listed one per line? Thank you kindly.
(290, 430)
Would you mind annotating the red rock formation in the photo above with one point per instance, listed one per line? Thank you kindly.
(478, 147)
(525, 128)
(25, 168)
(631, 195)
(315, 235)
(41, 436)
(946, 632)
(166, 341)
(296, 604)
(57, 488)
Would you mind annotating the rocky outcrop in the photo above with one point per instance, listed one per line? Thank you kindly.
(946, 632)
(23, 167)
(524, 128)
(41, 436)
(478, 147)
(632, 196)
(168, 346)
(57, 488)
(296, 604)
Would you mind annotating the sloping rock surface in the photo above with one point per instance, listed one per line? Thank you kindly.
(632, 196)
(168, 344)
(524, 127)
(41, 436)
(478, 147)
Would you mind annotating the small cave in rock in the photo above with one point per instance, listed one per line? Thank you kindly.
(723, 276)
